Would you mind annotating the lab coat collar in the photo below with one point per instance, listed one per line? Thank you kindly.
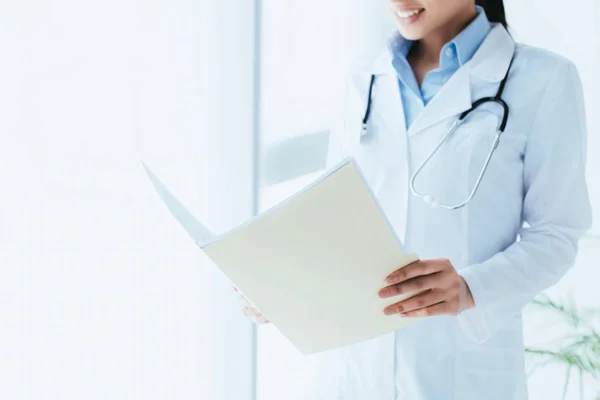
(489, 63)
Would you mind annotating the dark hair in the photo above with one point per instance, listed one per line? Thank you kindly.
(494, 10)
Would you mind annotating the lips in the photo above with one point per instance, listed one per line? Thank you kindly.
(408, 16)
(407, 13)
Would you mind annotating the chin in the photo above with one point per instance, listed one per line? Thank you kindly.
(411, 34)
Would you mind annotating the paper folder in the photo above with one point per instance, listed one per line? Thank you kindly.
(313, 264)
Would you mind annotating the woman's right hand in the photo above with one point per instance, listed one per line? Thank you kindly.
(251, 311)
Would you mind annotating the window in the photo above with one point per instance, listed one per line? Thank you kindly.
(103, 294)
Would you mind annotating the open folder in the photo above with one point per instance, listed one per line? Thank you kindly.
(313, 265)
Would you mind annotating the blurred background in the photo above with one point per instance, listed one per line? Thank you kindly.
(102, 295)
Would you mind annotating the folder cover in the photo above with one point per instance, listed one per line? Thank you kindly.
(313, 264)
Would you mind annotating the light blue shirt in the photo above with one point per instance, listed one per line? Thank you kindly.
(453, 55)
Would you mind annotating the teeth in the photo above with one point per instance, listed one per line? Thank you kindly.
(408, 14)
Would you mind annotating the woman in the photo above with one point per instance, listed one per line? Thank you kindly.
(487, 246)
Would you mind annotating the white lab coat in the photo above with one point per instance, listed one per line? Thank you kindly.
(536, 177)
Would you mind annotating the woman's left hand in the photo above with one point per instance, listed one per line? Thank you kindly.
(442, 290)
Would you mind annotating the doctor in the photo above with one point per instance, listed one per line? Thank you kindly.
(475, 148)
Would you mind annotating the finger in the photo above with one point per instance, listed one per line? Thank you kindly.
(245, 302)
(443, 308)
(418, 284)
(422, 300)
(261, 320)
(400, 272)
(251, 312)
(418, 268)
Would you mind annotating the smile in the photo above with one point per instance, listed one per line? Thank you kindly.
(409, 16)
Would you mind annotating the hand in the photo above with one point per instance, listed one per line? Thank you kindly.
(251, 311)
(442, 291)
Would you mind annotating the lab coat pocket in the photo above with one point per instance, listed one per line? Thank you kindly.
(474, 142)
(477, 131)
(476, 137)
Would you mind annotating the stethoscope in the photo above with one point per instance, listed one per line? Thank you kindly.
(499, 130)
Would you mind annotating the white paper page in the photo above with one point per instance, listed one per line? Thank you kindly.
(313, 265)
(201, 234)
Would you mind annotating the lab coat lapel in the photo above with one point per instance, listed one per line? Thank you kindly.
(491, 61)
(387, 103)
(388, 108)
(452, 99)
(489, 64)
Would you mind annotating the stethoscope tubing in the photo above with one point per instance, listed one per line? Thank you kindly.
(500, 129)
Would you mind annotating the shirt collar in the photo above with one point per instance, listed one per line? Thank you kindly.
(465, 44)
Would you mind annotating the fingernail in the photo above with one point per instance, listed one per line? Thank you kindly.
(383, 292)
